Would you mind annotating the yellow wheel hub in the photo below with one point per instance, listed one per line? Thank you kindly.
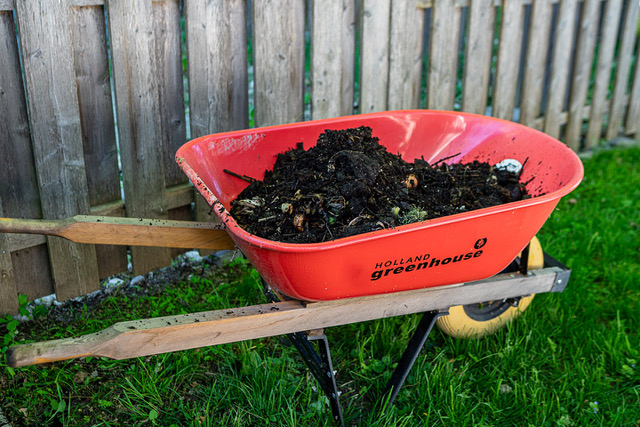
(479, 320)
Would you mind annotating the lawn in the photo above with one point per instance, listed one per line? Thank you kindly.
(572, 359)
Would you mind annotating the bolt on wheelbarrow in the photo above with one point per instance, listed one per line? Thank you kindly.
(476, 265)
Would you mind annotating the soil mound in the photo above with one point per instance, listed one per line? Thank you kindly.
(350, 184)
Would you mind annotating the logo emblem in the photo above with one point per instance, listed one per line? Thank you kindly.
(480, 243)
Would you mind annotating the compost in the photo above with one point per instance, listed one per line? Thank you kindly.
(350, 184)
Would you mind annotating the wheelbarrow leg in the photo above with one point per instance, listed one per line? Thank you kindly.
(321, 367)
(411, 354)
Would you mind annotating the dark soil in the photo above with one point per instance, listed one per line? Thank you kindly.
(350, 184)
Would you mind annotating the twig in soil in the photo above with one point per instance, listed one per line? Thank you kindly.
(242, 177)
(445, 158)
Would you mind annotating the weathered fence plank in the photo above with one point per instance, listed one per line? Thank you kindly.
(632, 124)
(57, 136)
(618, 98)
(443, 58)
(332, 50)
(374, 55)
(405, 54)
(560, 66)
(606, 50)
(138, 113)
(278, 59)
(507, 65)
(166, 30)
(218, 89)
(478, 56)
(535, 61)
(8, 292)
(98, 128)
(582, 72)
(166, 19)
(19, 195)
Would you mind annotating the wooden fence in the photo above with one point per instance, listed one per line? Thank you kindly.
(93, 95)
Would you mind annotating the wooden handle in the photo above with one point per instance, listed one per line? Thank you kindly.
(145, 337)
(126, 231)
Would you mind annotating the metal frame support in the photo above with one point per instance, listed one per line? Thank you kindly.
(414, 347)
(319, 363)
(321, 367)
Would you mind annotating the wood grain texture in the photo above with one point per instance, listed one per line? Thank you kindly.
(623, 70)
(8, 292)
(125, 231)
(606, 51)
(54, 116)
(19, 194)
(31, 281)
(138, 114)
(560, 66)
(405, 56)
(218, 89)
(349, 23)
(507, 65)
(374, 55)
(166, 21)
(582, 72)
(478, 56)
(332, 58)
(535, 62)
(180, 332)
(632, 123)
(278, 59)
(443, 55)
(98, 127)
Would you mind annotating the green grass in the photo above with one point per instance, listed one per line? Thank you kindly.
(572, 359)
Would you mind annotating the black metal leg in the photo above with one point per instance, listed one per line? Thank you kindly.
(411, 354)
(321, 367)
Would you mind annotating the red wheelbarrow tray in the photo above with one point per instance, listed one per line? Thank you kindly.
(449, 250)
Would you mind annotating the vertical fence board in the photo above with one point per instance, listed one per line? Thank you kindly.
(47, 59)
(606, 50)
(443, 55)
(478, 56)
(374, 54)
(138, 115)
(507, 65)
(32, 280)
(582, 71)
(168, 50)
(560, 66)
(98, 128)
(278, 58)
(632, 124)
(218, 89)
(348, 56)
(405, 57)
(8, 292)
(535, 61)
(616, 112)
(332, 50)
(19, 196)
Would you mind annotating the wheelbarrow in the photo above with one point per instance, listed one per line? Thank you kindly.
(468, 272)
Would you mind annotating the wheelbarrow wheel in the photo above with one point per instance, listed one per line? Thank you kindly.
(479, 320)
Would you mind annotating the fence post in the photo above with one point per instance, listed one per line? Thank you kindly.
(138, 117)
(278, 52)
(57, 136)
(374, 48)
